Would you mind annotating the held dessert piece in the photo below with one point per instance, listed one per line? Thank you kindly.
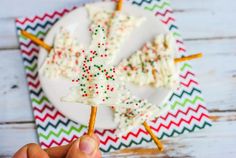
(117, 25)
(95, 84)
(63, 59)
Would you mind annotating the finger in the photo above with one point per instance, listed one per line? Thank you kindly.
(85, 147)
(58, 152)
(96, 138)
(61, 151)
(98, 154)
(31, 151)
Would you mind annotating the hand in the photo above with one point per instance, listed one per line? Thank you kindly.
(85, 147)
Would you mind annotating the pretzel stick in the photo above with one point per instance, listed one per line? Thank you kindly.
(92, 120)
(48, 48)
(154, 138)
(118, 8)
(36, 40)
(119, 5)
(190, 57)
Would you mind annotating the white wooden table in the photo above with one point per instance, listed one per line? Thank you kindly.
(206, 25)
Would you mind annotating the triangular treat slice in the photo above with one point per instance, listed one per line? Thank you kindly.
(117, 25)
(96, 83)
(152, 65)
(63, 59)
(134, 114)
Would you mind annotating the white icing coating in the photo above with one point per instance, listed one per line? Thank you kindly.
(152, 65)
(134, 114)
(63, 59)
(117, 25)
(96, 84)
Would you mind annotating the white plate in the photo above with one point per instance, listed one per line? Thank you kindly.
(77, 22)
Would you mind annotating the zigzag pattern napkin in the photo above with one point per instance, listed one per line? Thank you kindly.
(187, 114)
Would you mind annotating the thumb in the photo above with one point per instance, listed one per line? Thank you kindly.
(85, 147)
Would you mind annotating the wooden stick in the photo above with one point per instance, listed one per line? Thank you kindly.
(119, 5)
(190, 57)
(92, 120)
(155, 139)
(36, 40)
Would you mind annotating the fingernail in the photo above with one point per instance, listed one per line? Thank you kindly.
(87, 145)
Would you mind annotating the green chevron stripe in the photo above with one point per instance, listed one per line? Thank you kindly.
(37, 35)
(185, 66)
(31, 68)
(34, 100)
(176, 34)
(185, 101)
(185, 129)
(67, 132)
(155, 6)
(132, 142)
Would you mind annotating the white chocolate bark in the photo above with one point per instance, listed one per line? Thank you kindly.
(96, 83)
(117, 25)
(63, 59)
(152, 65)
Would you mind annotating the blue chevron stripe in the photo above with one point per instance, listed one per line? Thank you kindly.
(60, 122)
(30, 61)
(185, 92)
(132, 142)
(36, 93)
(29, 27)
(172, 26)
(140, 2)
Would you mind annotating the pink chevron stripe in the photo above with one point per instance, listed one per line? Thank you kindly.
(135, 134)
(109, 138)
(179, 41)
(30, 52)
(189, 83)
(188, 73)
(165, 13)
(54, 142)
(158, 128)
(28, 44)
(103, 132)
(182, 112)
(42, 119)
(182, 49)
(31, 76)
(45, 107)
(168, 20)
(41, 18)
(34, 85)
(172, 123)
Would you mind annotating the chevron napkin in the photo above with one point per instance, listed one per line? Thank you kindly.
(188, 112)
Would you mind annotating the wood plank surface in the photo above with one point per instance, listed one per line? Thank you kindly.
(207, 26)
